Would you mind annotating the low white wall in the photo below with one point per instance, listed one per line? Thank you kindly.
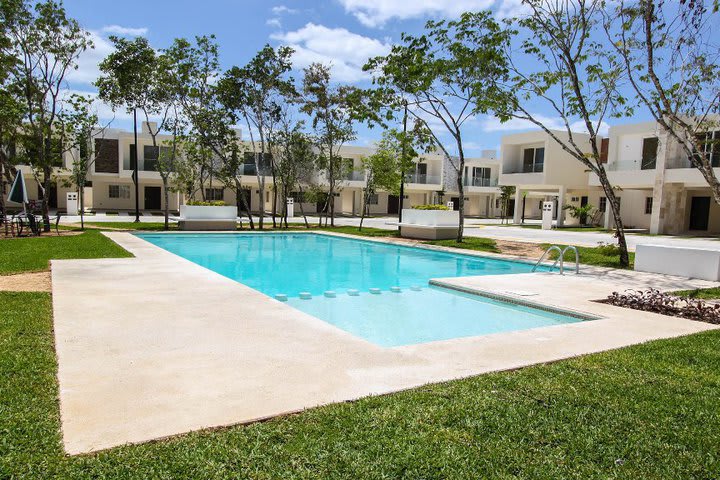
(435, 218)
(203, 212)
(680, 261)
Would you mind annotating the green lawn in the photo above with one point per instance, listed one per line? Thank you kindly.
(648, 411)
(152, 226)
(700, 293)
(597, 256)
(469, 243)
(33, 254)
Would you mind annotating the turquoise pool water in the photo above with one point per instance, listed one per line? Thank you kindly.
(402, 308)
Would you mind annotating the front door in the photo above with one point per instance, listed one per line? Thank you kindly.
(393, 204)
(456, 203)
(583, 203)
(152, 198)
(699, 213)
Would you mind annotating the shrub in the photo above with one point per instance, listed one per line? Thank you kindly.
(430, 207)
(213, 203)
(658, 302)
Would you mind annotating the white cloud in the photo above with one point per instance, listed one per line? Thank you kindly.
(282, 9)
(347, 52)
(374, 13)
(120, 30)
(493, 124)
(104, 111)
(273, 22)
(88, 71)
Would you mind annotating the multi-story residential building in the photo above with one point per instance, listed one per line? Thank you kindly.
(659, 188)
(111, 186)
(540, 170)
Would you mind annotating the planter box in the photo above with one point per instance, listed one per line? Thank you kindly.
(429, 224)
(201, 217)
(680, 261)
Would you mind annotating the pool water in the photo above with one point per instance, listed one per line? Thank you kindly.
(402, 308)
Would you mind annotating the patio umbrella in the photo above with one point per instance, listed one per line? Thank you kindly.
(18, 191)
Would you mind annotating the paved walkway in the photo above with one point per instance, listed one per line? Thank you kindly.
(156, 345)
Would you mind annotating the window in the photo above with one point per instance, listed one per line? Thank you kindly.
(150, 155)
(711, 146)
(214, 194)
(119, 191)
(373, 199)
(648, 205)
(649, 153)
(533, 160)
(603, 204)
(481, 177)
(299, 197)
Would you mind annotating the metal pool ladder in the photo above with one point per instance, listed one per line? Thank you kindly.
(561, 258)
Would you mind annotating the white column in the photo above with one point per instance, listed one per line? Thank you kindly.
(560, 204)
(608, 215)
(517, 214)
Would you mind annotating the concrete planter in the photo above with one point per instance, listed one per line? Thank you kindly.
(202, 217)
(429, 224)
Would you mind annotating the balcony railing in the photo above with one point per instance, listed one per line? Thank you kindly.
(250, 169)
(480, 182)
(422, 179)
(355, 176)
(626, 165)
(534, 168)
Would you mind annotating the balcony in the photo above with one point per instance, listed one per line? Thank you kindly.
(480, 182)
(250, 169)
(422, 179)
(629, 165)
(355, 176)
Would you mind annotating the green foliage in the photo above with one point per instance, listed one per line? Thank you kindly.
(604, 255)
(430, 207)
(33, 254)
(700, 293)
(469, 243)
(201, 203)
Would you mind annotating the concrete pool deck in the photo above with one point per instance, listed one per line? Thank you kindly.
(156, 345)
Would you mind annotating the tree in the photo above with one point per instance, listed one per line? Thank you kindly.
(256, 94)
(568, 71)
(445, 77)
(384, 168)
(47, 43)
(670, 56)
(167, 162)
(80, 132)
(135, 77)
(329, 108)
(506, 194)
(292, 149)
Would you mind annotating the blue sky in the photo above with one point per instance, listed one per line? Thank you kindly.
(342, 32)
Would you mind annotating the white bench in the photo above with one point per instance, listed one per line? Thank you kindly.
(681, 261)
(429, 224)
(202, 217)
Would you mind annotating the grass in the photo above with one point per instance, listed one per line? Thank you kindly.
(700, 293)
(151, 226)
(597, 256)
(33, 254)
(648, 411)
(469, 243)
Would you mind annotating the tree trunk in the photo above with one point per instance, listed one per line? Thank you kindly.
(47, 178)
(461, 199)
(167, 203)
(241, 201)
(615, 208)
(81, 194)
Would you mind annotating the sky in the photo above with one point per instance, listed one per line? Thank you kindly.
(344, 33)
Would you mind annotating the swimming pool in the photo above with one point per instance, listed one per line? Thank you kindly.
(374, 290)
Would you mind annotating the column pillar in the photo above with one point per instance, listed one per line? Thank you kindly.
(517, 213)
(560, 204)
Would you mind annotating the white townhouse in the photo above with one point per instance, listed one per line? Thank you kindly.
(540, 170)
(110, 186)
(659, 188)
